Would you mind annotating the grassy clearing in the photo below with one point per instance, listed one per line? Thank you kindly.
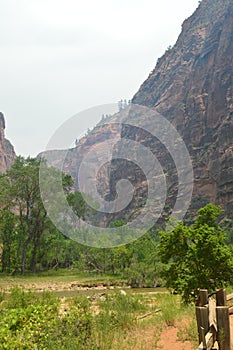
(103, 321)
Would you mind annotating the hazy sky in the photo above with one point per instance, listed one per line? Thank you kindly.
(59, 57)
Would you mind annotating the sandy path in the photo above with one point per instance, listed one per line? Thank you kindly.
(169, 340)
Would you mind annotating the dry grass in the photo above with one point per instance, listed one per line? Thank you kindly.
(118, 321)
(144, 337)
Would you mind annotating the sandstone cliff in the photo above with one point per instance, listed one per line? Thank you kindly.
(7, 153)
(191, 86)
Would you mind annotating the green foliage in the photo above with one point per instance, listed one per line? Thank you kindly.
(227, 225)
(196, 256)
(20, 298)
(170, 309)
(2, 295)
(109, 321)
(30, 243)
(117, 314)
(8, 238)
(27, 236)
(78, 204)
(33, 321)
(29, 321)
(22, 194)
(191, 257)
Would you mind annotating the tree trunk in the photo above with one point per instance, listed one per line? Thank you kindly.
(34, 253)
(6, 254)
(24, 256)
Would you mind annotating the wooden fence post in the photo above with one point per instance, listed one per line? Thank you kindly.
(223, 323)
(202, 321)
(213, 320)
(221, 297)
(203, 294)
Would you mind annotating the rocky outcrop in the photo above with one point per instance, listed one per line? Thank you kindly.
(192, 87)
(7, 153)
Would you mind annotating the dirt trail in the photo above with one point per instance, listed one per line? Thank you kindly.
(169, 340)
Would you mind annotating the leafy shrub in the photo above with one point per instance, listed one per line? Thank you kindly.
(24, 328)
(32, 321)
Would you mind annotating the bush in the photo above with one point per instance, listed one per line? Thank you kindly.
(32, 321)
(197, 255)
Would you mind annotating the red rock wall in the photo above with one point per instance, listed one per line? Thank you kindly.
(7, 153)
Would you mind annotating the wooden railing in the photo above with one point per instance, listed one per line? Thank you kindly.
(213, 322)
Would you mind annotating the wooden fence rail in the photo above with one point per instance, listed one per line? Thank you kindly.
(213, 320)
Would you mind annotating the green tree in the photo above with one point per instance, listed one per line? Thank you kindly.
(21, 194)
(8, 238)
(78, 204)
(197, 255)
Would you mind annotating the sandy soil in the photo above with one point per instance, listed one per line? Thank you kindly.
(169, 340)
(59, 286)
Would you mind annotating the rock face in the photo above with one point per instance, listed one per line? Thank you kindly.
(192, 87)
(7, 153)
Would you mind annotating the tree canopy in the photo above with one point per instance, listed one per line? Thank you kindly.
(191, 257)
(23, 217)
(196, 256)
